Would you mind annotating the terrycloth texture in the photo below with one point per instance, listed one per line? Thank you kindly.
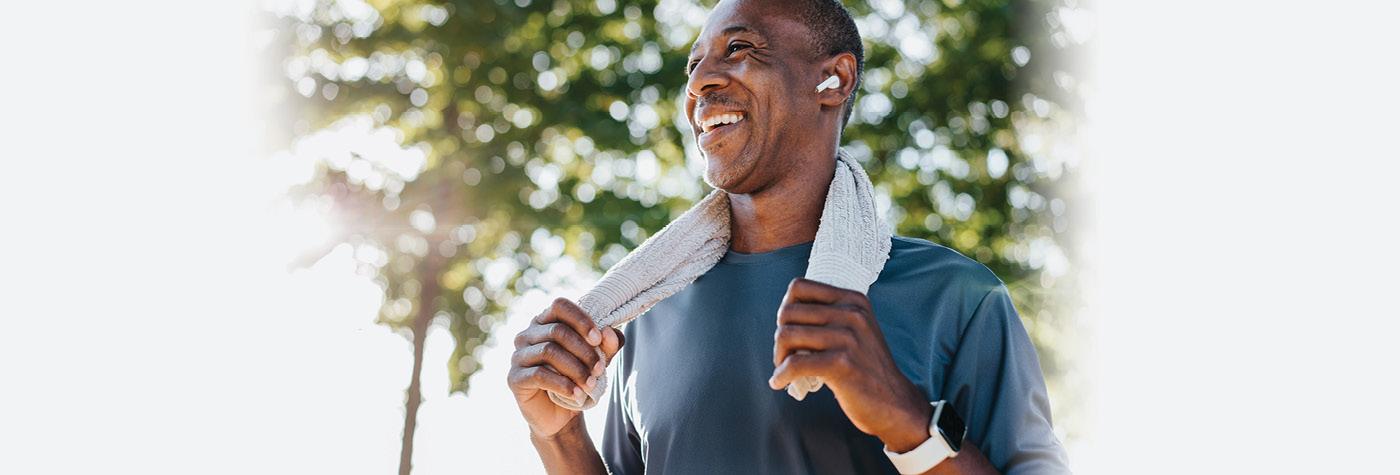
(850, 249)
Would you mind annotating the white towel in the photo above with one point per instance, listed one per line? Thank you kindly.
(851, 247)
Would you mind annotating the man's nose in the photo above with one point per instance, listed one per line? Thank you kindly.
(707, 76)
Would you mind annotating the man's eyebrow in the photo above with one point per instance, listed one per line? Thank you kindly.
(726, 32)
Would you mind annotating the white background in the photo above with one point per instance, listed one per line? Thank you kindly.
(1243, 242)
(1246, 245)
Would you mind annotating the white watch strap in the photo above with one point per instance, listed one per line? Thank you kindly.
(928, 454)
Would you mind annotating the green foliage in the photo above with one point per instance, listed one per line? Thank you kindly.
(535, 129)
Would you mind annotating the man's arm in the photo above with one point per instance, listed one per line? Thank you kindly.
(913, 431)
(847, 351)
(969, 460)
(563, 352)
(569, 451)
(995, 380)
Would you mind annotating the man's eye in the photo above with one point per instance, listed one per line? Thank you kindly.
(733, 47)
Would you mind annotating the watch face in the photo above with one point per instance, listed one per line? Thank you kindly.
(952, 427)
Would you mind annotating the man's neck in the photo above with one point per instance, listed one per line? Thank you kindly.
(784, 214)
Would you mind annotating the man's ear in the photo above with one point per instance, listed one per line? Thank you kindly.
(843, 66)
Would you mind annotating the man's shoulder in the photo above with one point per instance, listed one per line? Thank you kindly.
(914, 258)
(930, 276)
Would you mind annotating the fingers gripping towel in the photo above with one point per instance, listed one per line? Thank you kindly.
(851, 248)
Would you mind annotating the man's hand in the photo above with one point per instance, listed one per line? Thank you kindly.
(558, 352)
(849, 354)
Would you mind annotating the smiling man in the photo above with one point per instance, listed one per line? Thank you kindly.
(930, 371)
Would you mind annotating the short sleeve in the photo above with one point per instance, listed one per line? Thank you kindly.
(622, 449)
(995, 382)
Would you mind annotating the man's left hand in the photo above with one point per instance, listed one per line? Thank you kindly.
(849, 354)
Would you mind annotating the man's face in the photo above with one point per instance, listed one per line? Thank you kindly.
(749, 70)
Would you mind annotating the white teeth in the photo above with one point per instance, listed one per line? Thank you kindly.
(710, 123)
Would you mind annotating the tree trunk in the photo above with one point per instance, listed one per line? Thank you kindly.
(427, 276)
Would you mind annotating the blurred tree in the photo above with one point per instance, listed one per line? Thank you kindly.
(466, 147)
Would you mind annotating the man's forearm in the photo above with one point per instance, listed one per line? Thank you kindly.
(914, 431)
(569, 451)
(969, 460)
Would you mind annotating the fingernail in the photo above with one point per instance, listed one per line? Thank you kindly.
(594, 338)
(598, 368)
(578, 394)
(592, 381)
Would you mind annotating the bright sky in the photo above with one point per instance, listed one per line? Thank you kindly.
(288, 366)
(359, 370)
(149, 317)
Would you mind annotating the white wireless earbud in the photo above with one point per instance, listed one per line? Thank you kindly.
(832, 82)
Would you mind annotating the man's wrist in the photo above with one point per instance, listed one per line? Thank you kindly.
(909, 431)
(572, 433)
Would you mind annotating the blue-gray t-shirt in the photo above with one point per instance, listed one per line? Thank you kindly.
(690, 388)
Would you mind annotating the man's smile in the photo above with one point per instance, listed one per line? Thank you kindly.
(719, 119)
(714, 125)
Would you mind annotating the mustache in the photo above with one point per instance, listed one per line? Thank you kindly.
(715, 99)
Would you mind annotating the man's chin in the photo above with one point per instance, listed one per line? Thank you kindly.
(729, 174)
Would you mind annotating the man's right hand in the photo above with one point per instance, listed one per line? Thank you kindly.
(558, 352)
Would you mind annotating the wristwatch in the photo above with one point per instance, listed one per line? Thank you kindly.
(946, 431)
